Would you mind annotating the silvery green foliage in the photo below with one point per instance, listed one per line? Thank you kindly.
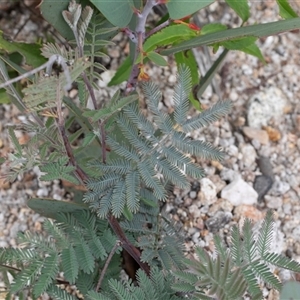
(152, 154)
(235, 270)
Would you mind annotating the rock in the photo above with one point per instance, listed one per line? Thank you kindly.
(229, 175)
(273, 202)
(220, 205)
(218, 182)
(239, 192)
(274, 134)
(262, 184)
(249, 155)
(280, 187)
(248, 211)
(256, 134)
(193, 194)
(218, 221)
(265, 105)
(194, 211)
(296, 233)
(208, 191)
(265, 166)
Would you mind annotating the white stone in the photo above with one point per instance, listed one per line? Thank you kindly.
(194, 211)
(249, 155)
(280, 187)
(239, 192)
(209, 191)
(228, 174)
(265, 105)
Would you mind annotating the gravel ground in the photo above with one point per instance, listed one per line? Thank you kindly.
(261, 138)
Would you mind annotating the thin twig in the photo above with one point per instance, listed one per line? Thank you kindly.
(158, 28)
(48, 65)
(109, 258)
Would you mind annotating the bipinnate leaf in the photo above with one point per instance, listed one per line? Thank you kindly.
(59, 294)
(241, 7)
(188, 59)
(70, 264)
(48, 274)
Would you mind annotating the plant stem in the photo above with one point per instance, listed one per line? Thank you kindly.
(140, 32)
(132, 250)
(111, 254)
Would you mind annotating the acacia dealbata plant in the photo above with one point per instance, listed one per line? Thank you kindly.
(126, 162)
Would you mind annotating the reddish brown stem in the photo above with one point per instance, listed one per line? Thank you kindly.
(126, 244)
(132, 250)
(78, 171)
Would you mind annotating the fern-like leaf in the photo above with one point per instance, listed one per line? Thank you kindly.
(59, 294)
(70, 264)
(182, 90)
(265, 234)
(220, 109)
(44, 92)
(58, 170)
(132, 182)
(83, 23)
(236, 247)
(282, 262)
(84, 257)
(48, 274)
(151, 181)
(27, 276)
(118, 199)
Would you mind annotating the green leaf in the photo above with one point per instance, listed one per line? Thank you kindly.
(241, 7)
(127, 213)
(258, 31)
(157, 58)
(30, 52)
(206, 80)
(88, 139)
(169, 35)
(254, 51)
(52, 12)
(214, 27)
(285, 10)
(240, 43)
(290, 290)
(118, 13)
(182, 8)
(122, 73)
(4, 98)
(50, 208)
